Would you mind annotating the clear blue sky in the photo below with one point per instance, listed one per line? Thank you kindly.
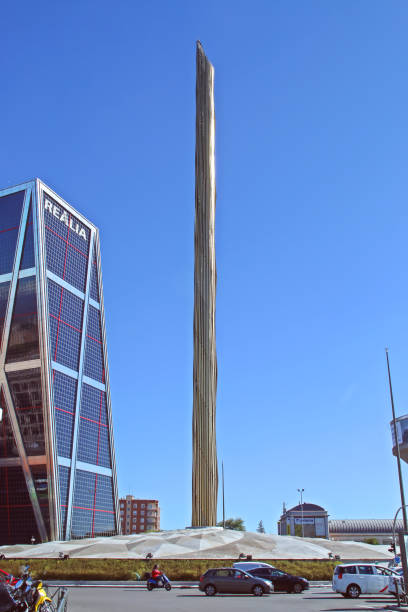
(98, 100)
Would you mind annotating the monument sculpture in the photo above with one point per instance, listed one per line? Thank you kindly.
(205, 471)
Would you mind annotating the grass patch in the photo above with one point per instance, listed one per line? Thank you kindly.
(175, 569)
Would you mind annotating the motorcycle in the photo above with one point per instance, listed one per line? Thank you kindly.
(7, 601)
(159, 583)
(25, 595)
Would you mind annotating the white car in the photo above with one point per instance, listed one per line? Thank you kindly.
(352, 579)
(396, 581)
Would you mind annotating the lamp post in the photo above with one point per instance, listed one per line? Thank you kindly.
(301, 508)
(403, 504)
(223, 497)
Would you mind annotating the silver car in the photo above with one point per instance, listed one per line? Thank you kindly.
(230, 580)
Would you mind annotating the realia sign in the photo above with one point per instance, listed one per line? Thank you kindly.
(64, 217)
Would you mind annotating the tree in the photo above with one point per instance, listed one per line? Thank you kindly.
(260, 528)
(237, 524)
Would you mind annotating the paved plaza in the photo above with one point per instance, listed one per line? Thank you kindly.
(317, 599)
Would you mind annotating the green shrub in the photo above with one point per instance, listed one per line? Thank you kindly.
(176, 569)
(371, 541)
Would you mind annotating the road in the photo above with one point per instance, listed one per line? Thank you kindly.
(132, 599)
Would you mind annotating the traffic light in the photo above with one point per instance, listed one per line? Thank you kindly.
(392, 548)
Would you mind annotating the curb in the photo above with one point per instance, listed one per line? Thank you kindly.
(117, 586)
(137, 585)
(114, 585)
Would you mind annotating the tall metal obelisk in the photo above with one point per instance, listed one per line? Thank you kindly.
(205, 471)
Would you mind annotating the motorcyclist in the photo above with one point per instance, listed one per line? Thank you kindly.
(156, 572)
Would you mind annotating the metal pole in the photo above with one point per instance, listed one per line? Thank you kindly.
(401, 484)
(403, 553)
(223, 497)
(393, 526)
(301, 509)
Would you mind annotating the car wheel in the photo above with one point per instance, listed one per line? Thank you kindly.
(210, 590)
(258, 590)
(353, 591)
(297, 588)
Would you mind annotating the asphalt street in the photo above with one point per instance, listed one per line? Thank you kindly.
(131, 599)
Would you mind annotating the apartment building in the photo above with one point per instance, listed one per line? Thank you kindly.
(139, 515)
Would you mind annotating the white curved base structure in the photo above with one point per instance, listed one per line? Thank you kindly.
(204, 543)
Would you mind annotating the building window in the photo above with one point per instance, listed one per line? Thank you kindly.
(143, 505)
(142, 520)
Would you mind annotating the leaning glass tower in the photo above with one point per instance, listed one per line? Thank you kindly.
(57, 460)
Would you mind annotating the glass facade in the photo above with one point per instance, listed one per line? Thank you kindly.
(57, 463)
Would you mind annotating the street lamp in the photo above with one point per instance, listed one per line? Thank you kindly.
(223, 497)
(301, 508)
(403, 504)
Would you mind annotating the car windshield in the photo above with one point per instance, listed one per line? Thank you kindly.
(366, 569)
(383, 571)
(345, 569)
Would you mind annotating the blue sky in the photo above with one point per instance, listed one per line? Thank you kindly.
(98, 100)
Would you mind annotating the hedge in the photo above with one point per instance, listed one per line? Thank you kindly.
(175, 569)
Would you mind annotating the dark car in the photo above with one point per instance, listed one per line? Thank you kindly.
(230, 580)
(281, 580)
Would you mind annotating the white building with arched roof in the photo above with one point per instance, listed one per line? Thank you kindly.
(304, 520)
